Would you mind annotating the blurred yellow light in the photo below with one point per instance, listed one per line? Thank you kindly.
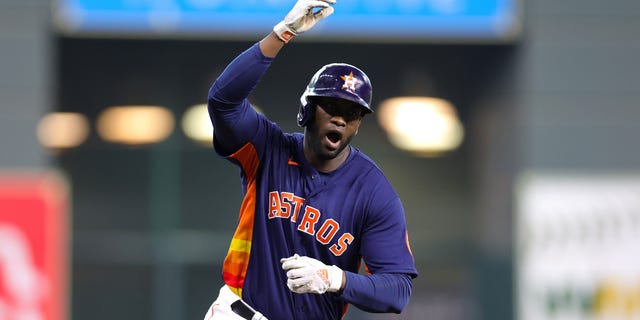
(63, 130)
(196, 124)
(422, 125)
(135, 125)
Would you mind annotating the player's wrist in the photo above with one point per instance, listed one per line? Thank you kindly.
(283, 32)
(336, 281)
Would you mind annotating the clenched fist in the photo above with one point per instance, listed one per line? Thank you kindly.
(308, 275)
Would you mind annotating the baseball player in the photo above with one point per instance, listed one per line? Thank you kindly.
(314, 206)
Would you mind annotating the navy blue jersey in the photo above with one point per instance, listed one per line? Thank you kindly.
(341, 218)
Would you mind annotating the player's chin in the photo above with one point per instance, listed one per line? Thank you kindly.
(331, 151)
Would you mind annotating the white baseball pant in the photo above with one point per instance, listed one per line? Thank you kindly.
(228, 306)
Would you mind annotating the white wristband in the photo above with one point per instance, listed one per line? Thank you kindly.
(283, 32)
(335, 282)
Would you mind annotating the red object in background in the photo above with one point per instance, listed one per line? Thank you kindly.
(33, 246)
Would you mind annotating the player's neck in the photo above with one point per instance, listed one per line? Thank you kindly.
(326, 165)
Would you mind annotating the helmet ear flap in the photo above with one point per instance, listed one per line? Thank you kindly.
(303, 116)
(305, 112)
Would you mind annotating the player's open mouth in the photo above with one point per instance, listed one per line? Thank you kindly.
(334, 137)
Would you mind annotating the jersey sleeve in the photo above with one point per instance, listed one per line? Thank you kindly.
(381, 293)
(385, 245)
(234, 120)
(387, 256)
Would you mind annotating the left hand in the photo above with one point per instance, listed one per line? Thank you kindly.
(304, 15)
(308, 275)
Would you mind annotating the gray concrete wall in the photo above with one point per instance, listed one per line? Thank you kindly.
(580, 84)
(25, 80)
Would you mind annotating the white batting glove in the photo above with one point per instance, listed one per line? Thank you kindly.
(304, 15)
(308, 275)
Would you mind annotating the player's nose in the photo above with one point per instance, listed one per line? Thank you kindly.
(338, 120)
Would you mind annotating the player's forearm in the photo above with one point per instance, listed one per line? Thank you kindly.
(378, 292)
(240, 77)
(271, 45)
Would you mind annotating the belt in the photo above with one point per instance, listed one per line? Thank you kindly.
(242, 309)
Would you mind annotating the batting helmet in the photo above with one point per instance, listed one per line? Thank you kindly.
(336, 80)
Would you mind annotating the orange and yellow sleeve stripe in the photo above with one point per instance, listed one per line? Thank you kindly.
(236, 263)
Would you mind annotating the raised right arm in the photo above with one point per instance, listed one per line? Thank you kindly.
(233, 119)
(231, 114)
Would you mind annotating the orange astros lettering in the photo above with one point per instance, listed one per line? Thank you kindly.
(309, 220)
(286, 205)
(339, 248)
(328, 229)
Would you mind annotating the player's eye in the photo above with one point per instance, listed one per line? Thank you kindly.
(328, 107)
(353, 113)
(347, 111)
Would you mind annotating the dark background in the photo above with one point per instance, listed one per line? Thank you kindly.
(151, 225)
(203, 191)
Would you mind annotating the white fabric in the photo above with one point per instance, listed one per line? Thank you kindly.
(220, 309)
(302, 17)
(308, 275)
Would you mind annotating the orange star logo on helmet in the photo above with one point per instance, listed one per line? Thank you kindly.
(349, 82)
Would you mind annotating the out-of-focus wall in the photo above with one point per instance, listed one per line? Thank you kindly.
(579, 86)
(25, 80)
(568, 101)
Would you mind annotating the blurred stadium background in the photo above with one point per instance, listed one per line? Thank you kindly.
(523, 201)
